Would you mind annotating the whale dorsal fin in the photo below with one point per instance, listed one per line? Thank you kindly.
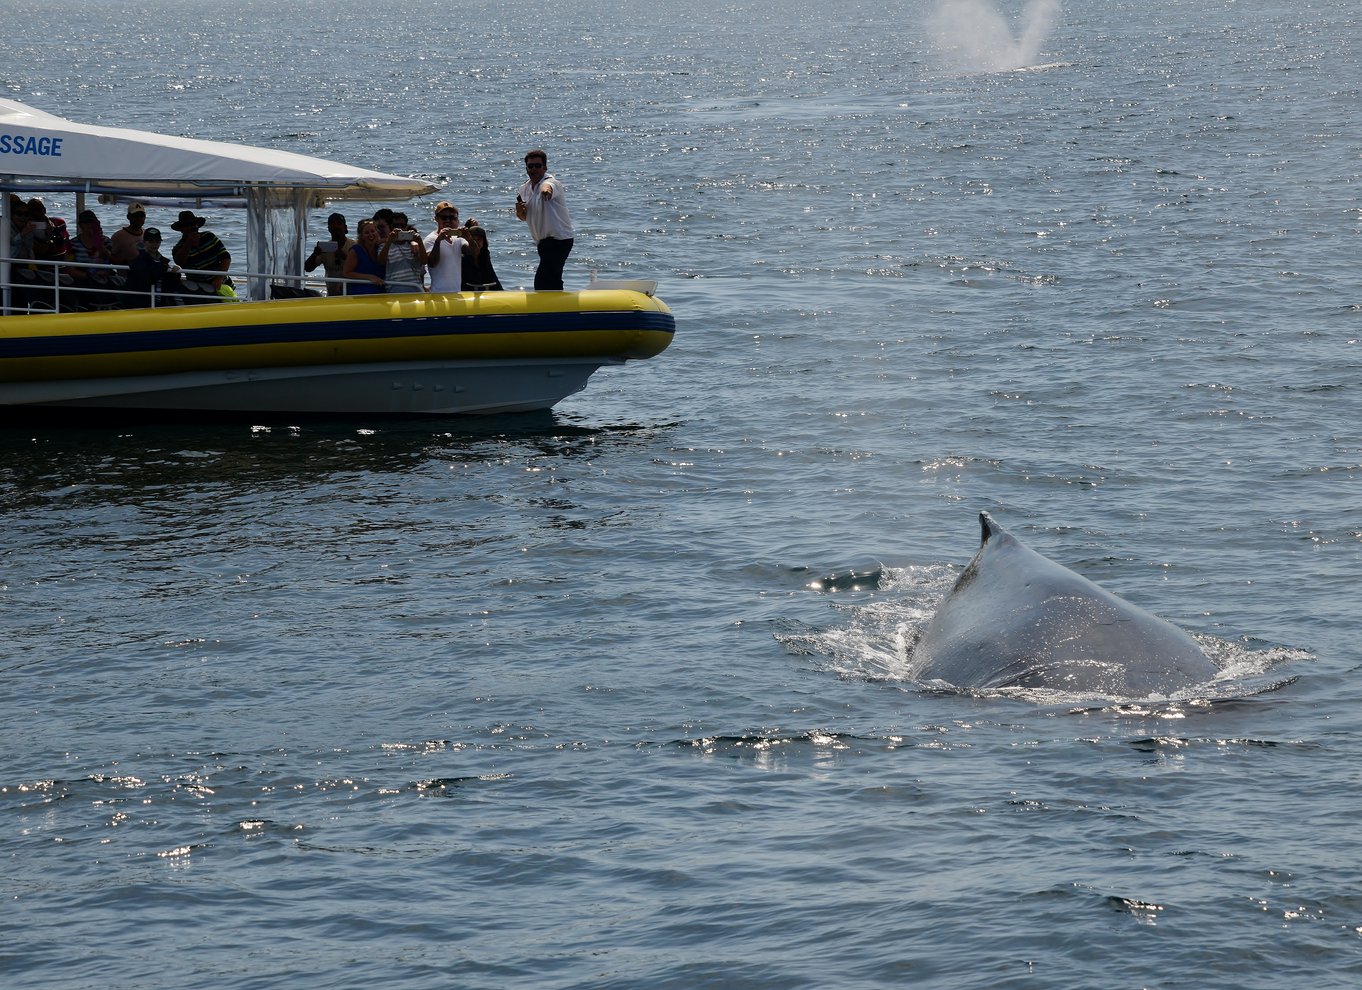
(988, 528)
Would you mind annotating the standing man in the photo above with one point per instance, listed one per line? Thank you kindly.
(445, 248)
(542, 203)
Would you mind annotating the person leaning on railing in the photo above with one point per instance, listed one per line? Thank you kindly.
(446, 247)
(127, 240)
(331, 254)
(478, 273)
(21, 229)
(400, 252)
(362, 264)
(199, 249)
(151, 269)
(88, 247)
(51, 240)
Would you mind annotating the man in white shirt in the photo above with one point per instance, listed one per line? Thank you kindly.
(542, 203)
(445, 249)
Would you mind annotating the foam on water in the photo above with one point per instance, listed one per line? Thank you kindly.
(874, 642)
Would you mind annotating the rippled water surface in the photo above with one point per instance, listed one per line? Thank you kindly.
(617, 696)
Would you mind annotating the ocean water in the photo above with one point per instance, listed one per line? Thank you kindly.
(617, 696)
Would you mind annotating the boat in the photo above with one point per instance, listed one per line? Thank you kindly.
(280, 346)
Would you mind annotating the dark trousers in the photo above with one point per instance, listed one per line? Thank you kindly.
(553, 255)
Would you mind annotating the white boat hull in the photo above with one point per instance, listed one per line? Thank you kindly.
(415, 388)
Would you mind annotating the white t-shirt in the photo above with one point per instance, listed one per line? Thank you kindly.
(446, 274)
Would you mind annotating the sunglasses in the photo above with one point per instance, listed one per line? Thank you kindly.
(447, 216)
(534, 164)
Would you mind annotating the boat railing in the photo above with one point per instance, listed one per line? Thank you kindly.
(40, 285)
(44, 285)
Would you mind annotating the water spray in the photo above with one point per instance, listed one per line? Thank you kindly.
(976, 35)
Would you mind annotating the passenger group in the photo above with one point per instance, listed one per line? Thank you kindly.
(386, 255)
(389, 255)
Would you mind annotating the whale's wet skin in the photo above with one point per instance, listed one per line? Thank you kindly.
(1017, 619)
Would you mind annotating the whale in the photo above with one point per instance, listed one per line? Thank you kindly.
(1016, 619)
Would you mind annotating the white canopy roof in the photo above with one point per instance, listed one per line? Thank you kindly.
(43, 153)
(39, 151)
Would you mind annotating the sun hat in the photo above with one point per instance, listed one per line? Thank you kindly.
(188, 221)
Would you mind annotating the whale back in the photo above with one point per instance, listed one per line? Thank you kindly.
(1015, 618)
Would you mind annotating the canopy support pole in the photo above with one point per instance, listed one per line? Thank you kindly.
(7, 226)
